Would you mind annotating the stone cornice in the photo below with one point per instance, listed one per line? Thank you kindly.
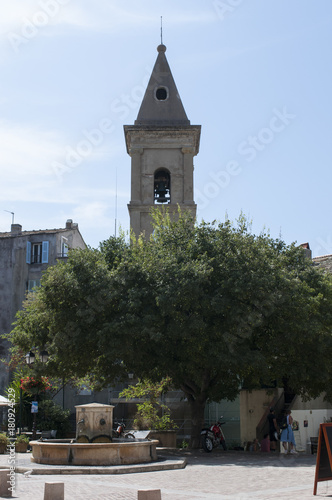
(188, 151)
(135, 151)
(171, 207)
(139, 137)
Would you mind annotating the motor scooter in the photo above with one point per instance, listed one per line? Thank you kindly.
(213, 436)
(119, 431)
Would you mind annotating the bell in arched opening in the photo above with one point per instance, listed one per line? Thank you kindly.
(162, 187)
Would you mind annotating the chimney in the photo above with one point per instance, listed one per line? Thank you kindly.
(307, 251)
(69, 223)
(16, 229)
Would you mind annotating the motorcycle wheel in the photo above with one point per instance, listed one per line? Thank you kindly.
(207, 444)
(129, 436)
(224, 445)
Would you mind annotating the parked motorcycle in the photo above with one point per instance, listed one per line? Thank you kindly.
(119, 431)
(213, 437)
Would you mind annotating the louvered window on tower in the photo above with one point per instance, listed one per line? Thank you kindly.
(162, 187)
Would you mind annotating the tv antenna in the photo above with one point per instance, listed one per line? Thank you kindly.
(116, 199)
(12, 215)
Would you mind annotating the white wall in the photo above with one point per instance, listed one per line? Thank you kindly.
(314, 418)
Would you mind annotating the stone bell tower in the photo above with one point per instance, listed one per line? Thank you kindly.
(162, 145)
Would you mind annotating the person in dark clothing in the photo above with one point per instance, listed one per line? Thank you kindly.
(273, 429)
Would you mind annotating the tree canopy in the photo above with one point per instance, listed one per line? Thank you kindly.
(212, 306)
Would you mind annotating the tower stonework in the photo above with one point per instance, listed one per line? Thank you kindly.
(162, 145)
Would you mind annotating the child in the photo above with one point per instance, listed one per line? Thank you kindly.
(255, 446)
(265, 443)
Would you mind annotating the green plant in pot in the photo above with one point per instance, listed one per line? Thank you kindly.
(21, 443)
(3, 442)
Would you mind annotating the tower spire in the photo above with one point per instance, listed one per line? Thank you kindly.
(161, 30)
(161, 104)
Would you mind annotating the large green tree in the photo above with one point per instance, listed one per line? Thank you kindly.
(211, 305)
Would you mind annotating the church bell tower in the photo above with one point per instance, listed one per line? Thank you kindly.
(162, 145)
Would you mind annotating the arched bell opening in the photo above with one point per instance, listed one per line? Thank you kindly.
(162, 187)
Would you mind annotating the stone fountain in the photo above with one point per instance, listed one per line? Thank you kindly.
(94, 444)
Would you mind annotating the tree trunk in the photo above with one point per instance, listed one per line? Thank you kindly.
(197, 407)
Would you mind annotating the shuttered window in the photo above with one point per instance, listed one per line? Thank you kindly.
(45, 252)
(28, 254)
(37, 253)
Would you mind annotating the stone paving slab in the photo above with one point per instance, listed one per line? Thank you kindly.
(208, 476)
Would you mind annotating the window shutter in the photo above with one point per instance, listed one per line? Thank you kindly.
(45, 252)
(28, 255)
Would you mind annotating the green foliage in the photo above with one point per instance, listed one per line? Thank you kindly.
(71, 308)
(15, 386)
(22, 439)
(3, 438)
(152, 413)
(114, 250)
(21, 398)
(51, 416)
(212, 306)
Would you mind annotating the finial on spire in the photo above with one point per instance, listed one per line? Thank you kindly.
(161, 30)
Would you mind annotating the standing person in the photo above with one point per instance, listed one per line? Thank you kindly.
(273, 429)
(287, 435)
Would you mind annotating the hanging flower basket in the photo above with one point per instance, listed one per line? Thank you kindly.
(33, 385)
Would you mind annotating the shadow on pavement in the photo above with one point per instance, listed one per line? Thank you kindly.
(240, 458)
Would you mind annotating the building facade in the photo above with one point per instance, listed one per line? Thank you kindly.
(24, 256)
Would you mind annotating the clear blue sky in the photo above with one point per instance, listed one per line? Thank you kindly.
(256, 74)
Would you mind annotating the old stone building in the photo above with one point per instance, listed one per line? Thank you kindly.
(324, 261)
(162, 145)
(24, 255)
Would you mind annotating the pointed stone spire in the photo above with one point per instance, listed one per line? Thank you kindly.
(162, 104)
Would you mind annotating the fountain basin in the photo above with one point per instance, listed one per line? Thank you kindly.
(114, 453)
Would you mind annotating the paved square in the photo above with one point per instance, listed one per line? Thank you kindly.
(216, 476)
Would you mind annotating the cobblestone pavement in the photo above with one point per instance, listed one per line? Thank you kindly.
(216, 476)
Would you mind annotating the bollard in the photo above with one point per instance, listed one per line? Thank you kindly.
(4, 483)
(149, 495)
(54, 491)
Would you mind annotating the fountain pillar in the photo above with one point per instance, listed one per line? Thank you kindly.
(94, 423)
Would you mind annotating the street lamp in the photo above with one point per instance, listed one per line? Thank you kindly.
(30, 358)
(43, 356)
